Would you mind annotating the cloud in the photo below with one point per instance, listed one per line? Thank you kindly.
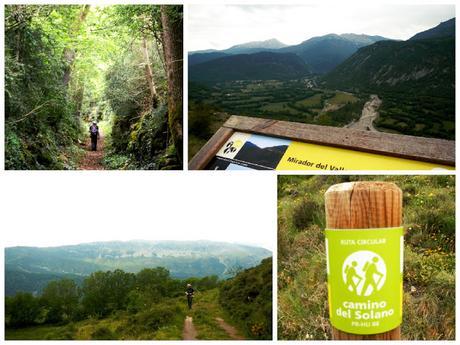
(222, 26)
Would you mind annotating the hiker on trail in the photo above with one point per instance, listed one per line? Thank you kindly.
(189, 293)
(94, 133)
(370, 268)
(350, 272)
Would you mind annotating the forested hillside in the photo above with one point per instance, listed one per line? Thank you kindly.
(414, 78)
(248, 299)
(148, 305)
(30, 269)
(67, 66)
(257, 66)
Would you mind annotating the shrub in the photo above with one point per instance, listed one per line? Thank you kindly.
(248, 300)
(103, 333)
(21, 310)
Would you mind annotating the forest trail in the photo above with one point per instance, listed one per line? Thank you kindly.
(93, 159)
(231, 331)
(189, 332)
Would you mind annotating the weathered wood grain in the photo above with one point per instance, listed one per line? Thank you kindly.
(431, 150)
(364, 205)
(209, 150)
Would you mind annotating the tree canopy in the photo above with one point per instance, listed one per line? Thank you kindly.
(67, 65)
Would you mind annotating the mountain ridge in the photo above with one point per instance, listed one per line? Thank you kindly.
(257, 66)
(443, 29)
(182, 258)
(320, 53)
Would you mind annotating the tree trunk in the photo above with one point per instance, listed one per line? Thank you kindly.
(79, 99)
(149, 75)
(69, 52)
(171, 20)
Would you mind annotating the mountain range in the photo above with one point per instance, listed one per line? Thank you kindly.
(425, 63)
(324, 53)
(320, 54)
(444, 29)
(31, 268)
(257, 66)
(333, 56)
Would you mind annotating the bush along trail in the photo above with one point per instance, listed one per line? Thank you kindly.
(148, 305)
(67, 66)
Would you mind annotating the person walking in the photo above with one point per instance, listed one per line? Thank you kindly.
(370, 269)
(189, 293)
(94, 133)
(350, 272)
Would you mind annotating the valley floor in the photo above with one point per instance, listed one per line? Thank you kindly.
(368, 115)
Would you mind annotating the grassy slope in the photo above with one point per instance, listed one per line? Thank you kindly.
(429, 263)
(124, 326)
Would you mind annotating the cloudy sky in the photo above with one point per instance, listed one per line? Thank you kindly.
(221, 26)
(122, 206)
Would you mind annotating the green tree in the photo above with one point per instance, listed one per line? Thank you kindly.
(60, 298)
(172, 23)
(104, 292)
(154, 283)
(21, 310)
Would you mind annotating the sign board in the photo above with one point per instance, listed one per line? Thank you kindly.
(246, 151)
(365, 270)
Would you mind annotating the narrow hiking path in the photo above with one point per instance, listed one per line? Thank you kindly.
(231, 331)
(368, 115)
(205, 321)
(189, 332)
(92, 160)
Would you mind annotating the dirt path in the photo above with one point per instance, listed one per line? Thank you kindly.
(189, 332)
(368, 115)
(231, 331)
(93, 159)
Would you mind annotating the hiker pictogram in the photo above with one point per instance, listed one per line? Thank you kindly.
(229, 148)
(364, 272)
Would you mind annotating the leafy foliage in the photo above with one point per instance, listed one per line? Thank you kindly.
(68, 65)
(61, 298)
(21, 310)
(104, 292)
(39, 119)
(248, 299)
(117, 305)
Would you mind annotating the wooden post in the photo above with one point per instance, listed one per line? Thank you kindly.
(364, 205)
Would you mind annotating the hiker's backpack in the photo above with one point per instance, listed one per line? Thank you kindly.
(93, 130)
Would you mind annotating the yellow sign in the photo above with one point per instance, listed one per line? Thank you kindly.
(303, 156)
(245, 151)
